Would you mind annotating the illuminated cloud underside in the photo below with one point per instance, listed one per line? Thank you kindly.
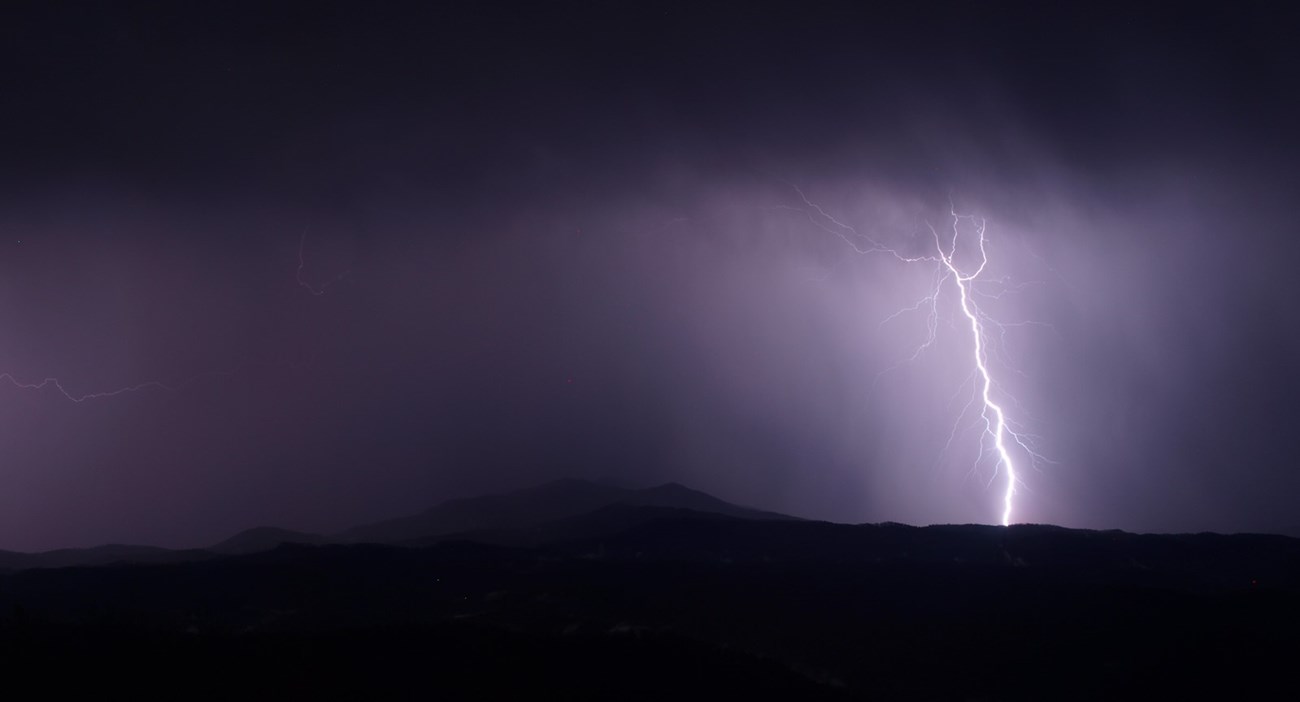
(999, 432)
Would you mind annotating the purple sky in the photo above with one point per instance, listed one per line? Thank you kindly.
(570, 246)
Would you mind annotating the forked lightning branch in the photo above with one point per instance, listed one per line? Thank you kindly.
(1000, 436)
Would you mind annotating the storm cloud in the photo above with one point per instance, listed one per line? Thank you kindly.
(558, 242)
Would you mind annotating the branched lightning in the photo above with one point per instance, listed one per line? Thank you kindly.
(995, 418)
(987, 335)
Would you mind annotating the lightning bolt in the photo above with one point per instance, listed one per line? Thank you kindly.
(999, 430)
(995, 418)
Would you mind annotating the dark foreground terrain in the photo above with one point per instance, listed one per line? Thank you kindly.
(574, 591)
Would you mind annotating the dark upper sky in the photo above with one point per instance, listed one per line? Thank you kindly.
(565, 240)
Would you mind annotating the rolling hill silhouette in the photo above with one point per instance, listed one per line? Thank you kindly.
(260, 539)
(578, 590)
(674, 522)
(492, 518)
(533, 507)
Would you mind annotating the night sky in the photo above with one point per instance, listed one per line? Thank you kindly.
(386, 255)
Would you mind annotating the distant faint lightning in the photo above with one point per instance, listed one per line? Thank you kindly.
(57, 385)
(318, 289)
(54, 383)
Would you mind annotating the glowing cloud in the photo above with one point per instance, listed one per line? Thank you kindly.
(999, 433)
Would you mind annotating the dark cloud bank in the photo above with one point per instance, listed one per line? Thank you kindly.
(570, 246)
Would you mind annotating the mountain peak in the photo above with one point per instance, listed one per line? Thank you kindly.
(540, 504)
(672, 487)
(264, 538)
